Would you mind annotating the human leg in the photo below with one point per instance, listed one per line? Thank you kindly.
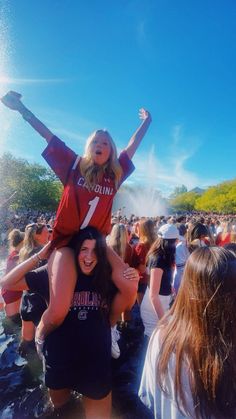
(59, 397)
(97, 409)
(62, 279)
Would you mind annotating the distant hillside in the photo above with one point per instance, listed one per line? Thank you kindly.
(198, 190)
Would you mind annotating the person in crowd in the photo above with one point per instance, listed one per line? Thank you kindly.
(90, 183)
(198, 236)
(181, 256)
(147, 237)
(190, 368)
(118, 241)
(225, 236)
(77, 353)
(160, 263)
(12, 299)
(32, 304)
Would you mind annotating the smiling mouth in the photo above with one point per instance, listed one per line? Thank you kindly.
(88, 264)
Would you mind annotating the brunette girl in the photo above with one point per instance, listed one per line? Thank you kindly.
(190, 367)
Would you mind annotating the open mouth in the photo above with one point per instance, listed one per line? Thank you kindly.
(98, 152)
(88, 264)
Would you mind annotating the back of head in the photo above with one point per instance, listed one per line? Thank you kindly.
(198, 231)
(118, 239)
(182, 229)
(147, 231)
(30, 244)
(201, 331)
(15, 237)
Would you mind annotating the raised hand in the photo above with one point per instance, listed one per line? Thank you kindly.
(12, 100)
(144, 115)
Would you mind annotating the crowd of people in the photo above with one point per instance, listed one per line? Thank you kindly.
(82, 273)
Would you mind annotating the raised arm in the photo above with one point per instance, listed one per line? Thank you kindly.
(137, 137)
(13, 101)
(15, 279)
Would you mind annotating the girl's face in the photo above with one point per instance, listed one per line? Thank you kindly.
(100, 148)
(87, 257)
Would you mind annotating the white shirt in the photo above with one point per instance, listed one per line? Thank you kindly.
(163, 406)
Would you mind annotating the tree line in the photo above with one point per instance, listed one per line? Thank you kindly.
(220, 198)
(37, 187)
(30, 185)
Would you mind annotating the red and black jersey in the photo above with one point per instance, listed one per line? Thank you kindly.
(79, 206)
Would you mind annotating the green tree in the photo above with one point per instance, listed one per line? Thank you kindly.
(36, 186)
(179, 190)
(184, 202)
(219, 198)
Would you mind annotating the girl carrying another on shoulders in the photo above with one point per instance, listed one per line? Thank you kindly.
(90, 183)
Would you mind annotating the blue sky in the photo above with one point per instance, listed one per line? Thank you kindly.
(87, 65)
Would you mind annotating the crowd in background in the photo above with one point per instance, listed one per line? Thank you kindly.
(158, 247)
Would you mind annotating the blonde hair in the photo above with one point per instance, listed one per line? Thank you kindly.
(15, 237)
(93, 172)
(30, 243)
(118, 239)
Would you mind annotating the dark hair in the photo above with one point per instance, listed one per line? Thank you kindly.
(164, 247)
(198, 231)
(182, 229)
(102, 271)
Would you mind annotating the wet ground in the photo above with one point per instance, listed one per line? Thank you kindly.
(23, 394)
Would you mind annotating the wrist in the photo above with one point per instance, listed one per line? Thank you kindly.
(26, 114)
(37, 259)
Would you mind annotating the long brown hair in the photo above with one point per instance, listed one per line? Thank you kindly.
(147, 233)
(165, 248)
(200, 330)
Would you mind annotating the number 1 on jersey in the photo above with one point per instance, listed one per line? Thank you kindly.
(90, 212)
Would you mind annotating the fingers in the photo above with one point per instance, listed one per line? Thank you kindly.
(144, 114)
(131, 274)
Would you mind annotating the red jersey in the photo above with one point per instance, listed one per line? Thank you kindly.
(221, 239)
(80, 207)
(140, 253)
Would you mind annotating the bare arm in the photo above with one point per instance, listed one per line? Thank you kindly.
(137, 137)
(15, 279)
(155, 284)
(13, 101)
